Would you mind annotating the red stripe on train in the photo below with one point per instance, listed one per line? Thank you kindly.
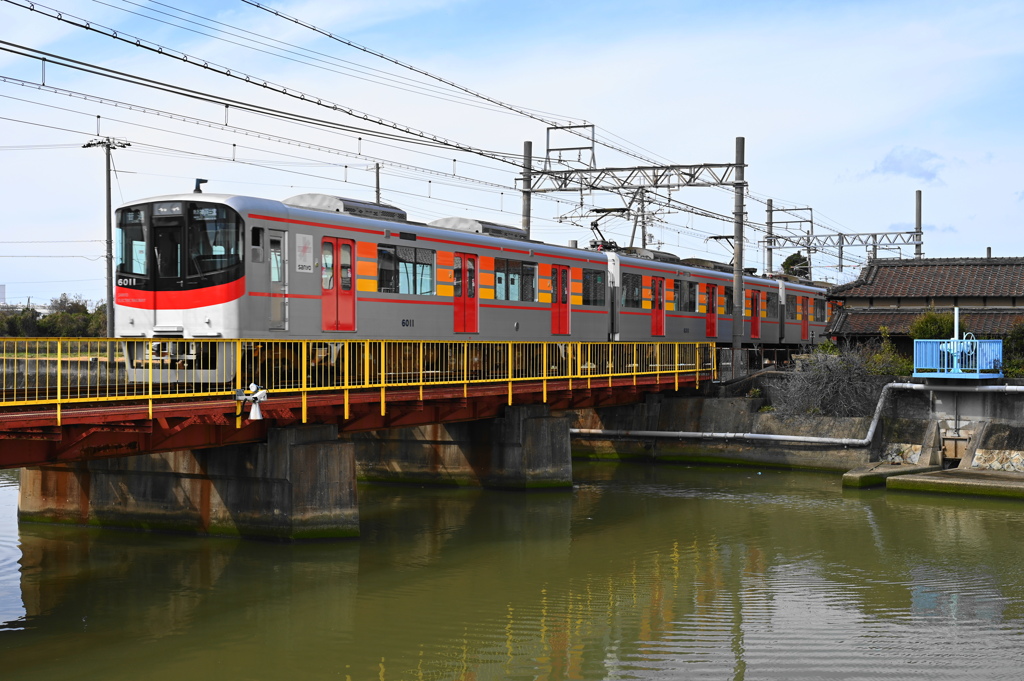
(180, 300)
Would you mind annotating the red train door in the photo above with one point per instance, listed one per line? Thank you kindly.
(755, 314)
(711, 317)
(337, 286)
(560, 300)
(805, 317)
(467, 304)
(657, 306)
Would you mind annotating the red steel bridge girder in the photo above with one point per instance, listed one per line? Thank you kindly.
(33, 438)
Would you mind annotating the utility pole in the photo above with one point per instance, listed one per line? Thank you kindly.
(737, 248)
(376, 173)
(769, 242)
(527, 185)
(918, 228)
(108, 144)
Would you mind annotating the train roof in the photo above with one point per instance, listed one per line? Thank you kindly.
(316, 207)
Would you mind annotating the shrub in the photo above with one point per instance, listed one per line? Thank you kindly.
(845, 384)
(934, 325)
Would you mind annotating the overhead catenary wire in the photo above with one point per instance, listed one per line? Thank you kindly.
(144, 79)
(171, 151)
(497, 105)
(517, 109)
(227, 128)
(410, 86)
(243, 77)
(504, 158)
(486, 186)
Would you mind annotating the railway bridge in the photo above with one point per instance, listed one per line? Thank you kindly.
(156, 434)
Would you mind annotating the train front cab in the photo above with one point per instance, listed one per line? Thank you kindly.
(178, 265)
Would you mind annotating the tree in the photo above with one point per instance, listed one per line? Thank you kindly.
(1013, 351)
(98, 322)
(934, 325)
(75, 304)
(24, 323)
(795, 264)
(69, 318)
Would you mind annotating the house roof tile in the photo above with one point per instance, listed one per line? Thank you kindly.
(933, 277)
(866, 322)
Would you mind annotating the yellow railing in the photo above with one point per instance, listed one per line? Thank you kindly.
(39, 371)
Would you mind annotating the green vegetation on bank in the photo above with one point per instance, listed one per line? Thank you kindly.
(70, 317)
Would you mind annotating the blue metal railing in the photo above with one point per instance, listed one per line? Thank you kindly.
(968, 358)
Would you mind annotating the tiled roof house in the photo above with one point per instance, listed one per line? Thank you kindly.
(892, 293)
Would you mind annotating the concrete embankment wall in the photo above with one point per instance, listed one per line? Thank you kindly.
(720, 415)
(980, 432)
(30, 373)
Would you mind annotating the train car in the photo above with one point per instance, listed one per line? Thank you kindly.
(210, 266)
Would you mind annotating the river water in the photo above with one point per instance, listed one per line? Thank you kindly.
(641, 572)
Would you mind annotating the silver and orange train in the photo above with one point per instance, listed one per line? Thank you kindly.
(215, 266)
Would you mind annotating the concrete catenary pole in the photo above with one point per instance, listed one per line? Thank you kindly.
(110, 250)
(917, 227)
(768, 240)
(737, 249)
(527, 184)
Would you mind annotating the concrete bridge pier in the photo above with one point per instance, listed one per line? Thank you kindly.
(300, 484)
(525, 448)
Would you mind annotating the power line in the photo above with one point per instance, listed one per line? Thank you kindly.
(170, 88)
(489, 187)
(437, 94)
(461, 88)
(218, 126)
(241, 76)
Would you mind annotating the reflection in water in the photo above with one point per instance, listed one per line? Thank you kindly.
(641, 572)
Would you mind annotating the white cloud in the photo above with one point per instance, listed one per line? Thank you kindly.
(919, 164)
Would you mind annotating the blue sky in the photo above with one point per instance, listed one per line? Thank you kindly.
(847, 107)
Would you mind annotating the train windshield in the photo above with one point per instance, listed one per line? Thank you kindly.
(178, 242)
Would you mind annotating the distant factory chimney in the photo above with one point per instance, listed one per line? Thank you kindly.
(3, 294)
(988, 252)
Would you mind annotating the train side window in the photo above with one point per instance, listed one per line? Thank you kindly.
(256, 239)
(457, 276)
(686, 296)
(773, 305)
(415, 267)
(470, 278)
(387, 271)
(819, 310)
(346, 267)
(632, 285)
(406, 269)
(327, 266)
(528, 288)
(500, 265)
(728, 300)
(424, 272)
(131, 241)
(514, 278)
(276, 262)
(790, 307)
(593, 287)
